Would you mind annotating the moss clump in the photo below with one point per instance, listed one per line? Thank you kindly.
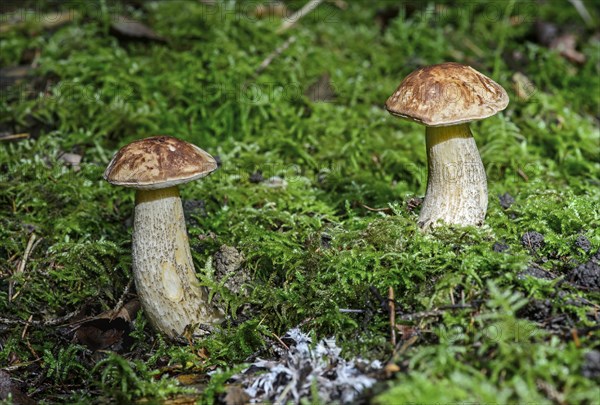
(337, 233)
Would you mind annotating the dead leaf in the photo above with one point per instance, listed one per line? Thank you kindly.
(321, 90)
(127, 28)
(191, 379)
(566, 45)
(108, 329)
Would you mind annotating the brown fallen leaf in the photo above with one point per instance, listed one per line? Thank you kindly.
(127, 28)
(566, 45)
(108, 329)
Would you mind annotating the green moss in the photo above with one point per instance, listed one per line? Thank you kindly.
(340, 233)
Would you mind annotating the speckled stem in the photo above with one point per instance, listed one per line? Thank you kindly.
(457, 184)
(162, 264)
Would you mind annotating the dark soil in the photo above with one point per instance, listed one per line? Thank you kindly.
(583, 243)
(506, 200)
(538, 272)
(533, 241)
(500, 247)
(587, 275)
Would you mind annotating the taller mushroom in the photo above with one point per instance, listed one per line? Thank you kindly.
(445, 98)
(163, 269)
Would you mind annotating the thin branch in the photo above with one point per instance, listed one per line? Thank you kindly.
(583, 12)
(267, 61)
(121, 301)
(280, 342)
(375, 209)
(392, 307)
(291, 21)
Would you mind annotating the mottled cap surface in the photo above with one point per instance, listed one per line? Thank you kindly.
(446, 94)
(158, 162)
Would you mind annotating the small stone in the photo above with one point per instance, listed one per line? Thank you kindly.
(532, 240)
(536, 271)
(536, 310)
(583, 243)
(587, 275)
(506, 200)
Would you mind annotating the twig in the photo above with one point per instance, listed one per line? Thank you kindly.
(375, 209)
(28, 249)
(51, 322)
(20, 365)
(24, 333)
(12, 137)
(351, 311)
(21, 267)
(121, 301)
(382, 301)
(521, 173)
(580, 7)
(551, 392)
(291, 21)
(265, 63)
(392, 307)
(432, 313)
(280, 341)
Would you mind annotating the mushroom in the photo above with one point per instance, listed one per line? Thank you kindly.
(163, 269)
(445, 98)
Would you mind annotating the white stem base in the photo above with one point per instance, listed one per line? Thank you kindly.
(163, 269)
(457, 184)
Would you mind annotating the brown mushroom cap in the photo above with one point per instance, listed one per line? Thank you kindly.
(447, 94)
(158, 162)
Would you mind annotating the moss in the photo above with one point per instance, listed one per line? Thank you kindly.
(340, 233)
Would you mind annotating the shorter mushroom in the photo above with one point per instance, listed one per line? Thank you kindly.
(445, 98)
(163, 269)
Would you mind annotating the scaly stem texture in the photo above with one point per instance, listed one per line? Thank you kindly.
(456, 184)
(162, 264)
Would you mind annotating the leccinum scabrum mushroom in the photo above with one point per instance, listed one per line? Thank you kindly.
(445, 98)
(162, 263)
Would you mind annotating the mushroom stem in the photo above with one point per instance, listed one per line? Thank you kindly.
(162, 264)
(457, 184)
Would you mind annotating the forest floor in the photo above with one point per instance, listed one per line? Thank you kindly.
(312, 214)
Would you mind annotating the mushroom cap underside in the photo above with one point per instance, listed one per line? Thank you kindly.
(158, 162)
(447, 94)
